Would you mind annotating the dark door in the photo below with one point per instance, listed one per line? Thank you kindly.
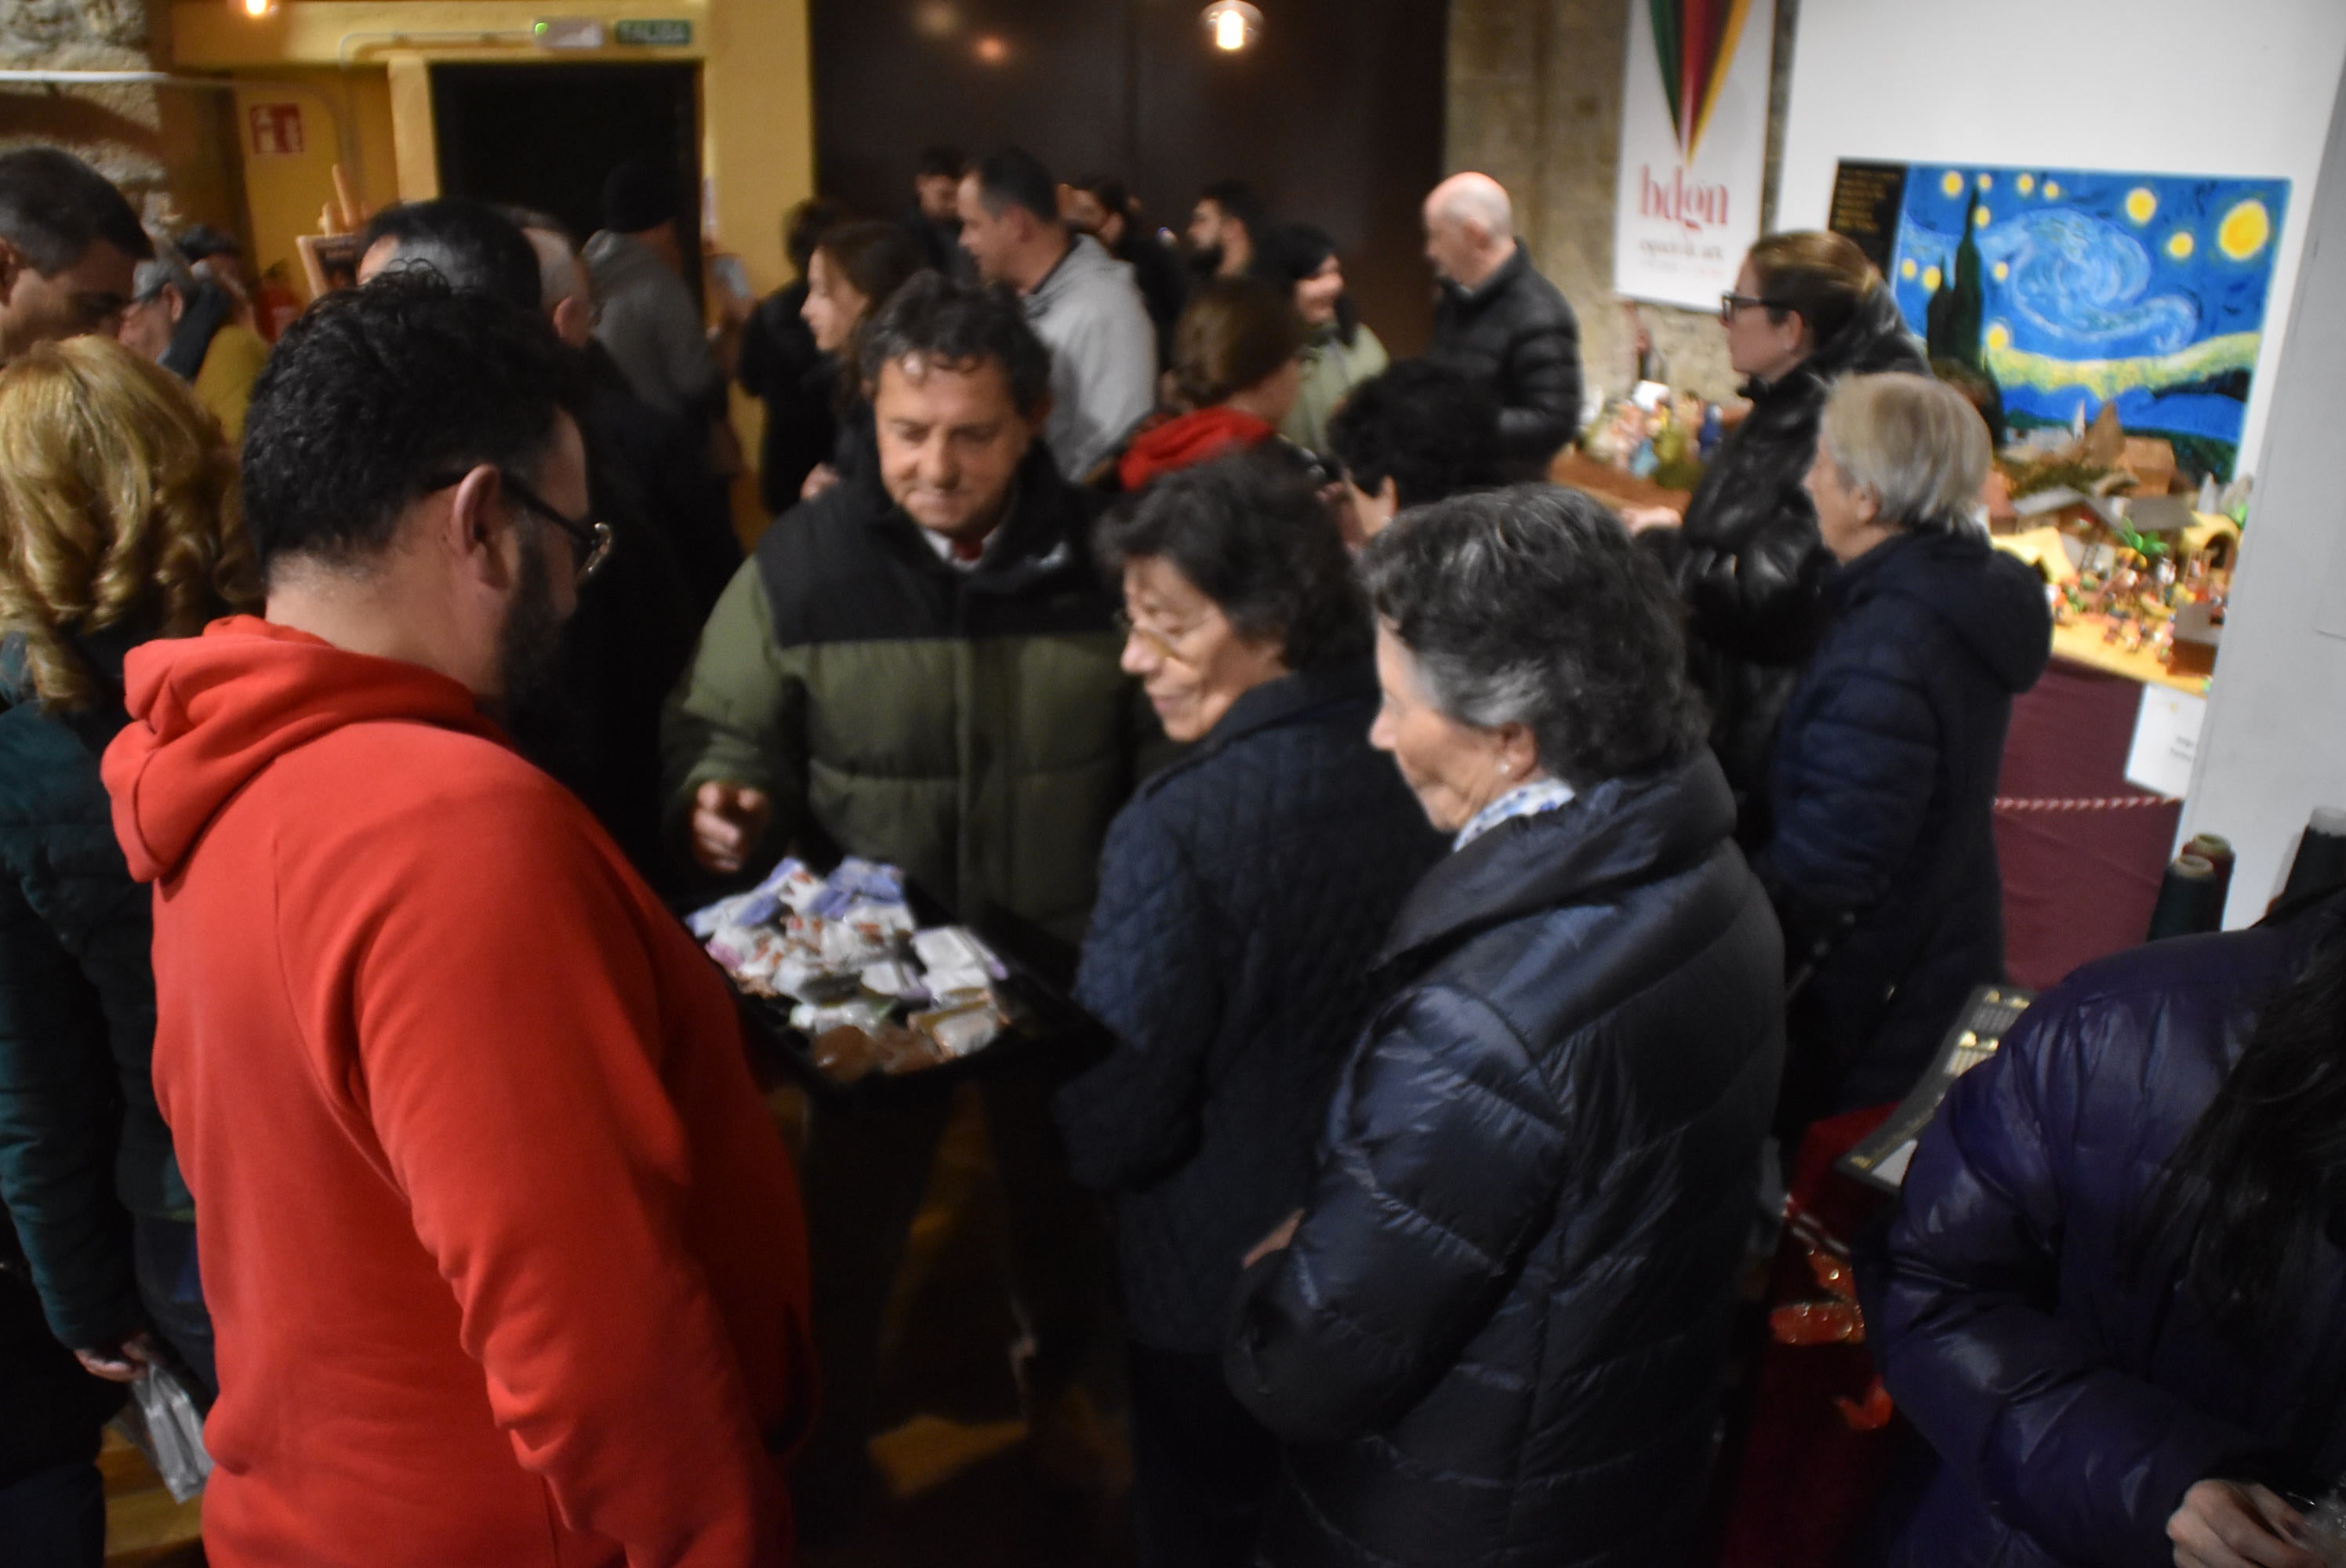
(546, 136)
(1335, 113)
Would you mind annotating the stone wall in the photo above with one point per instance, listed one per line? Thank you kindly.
(1536, 103)
(172, 150)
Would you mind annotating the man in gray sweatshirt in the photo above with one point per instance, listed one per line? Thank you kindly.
(1081, 302)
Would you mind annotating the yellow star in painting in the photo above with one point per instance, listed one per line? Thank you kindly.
(2025, 184)
(2180, 244)
(2245, 231)
(1980, 218)
(2140, 204)
(1931, 277)
(2003, 270)
(1953, 184)
(2052, 190)
(1906, 269)
(1999, 336)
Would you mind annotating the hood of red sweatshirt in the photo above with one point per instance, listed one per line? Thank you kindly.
(1193, 438)
(208, 713)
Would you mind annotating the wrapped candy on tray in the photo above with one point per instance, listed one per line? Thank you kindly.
(870, 990)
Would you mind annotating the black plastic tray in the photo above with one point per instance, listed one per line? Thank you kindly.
(1050, 1026)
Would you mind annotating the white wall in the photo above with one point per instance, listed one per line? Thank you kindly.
(2239, 87)
(2274, 745)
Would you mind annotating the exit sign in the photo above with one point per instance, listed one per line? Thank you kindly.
(662, 33)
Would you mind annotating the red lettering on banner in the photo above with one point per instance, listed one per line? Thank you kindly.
(1690, 204)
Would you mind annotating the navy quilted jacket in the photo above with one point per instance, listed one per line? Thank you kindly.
(1882, 793)
(2070, 1406)
(1499, 1335)
(1243, 893)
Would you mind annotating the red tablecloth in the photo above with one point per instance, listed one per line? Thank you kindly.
(2081, 850)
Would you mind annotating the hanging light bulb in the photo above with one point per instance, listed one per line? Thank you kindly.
(259, 9)
(1233, 25)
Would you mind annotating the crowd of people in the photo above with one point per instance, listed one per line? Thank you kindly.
(1473, 891)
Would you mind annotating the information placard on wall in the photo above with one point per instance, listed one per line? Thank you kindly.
(1694, 148)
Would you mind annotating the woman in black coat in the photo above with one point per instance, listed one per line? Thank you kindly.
(1808, 309)
(1496, 1331)
(1242, 892)
(1882, 860)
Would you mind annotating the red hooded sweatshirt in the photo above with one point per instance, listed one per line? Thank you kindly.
(504, 1256)
(1189, 440)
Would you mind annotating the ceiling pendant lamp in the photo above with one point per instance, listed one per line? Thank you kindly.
(1233, 25)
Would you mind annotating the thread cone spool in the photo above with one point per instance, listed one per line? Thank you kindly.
(2189, 899)
(2321, 863)
(2216, 850)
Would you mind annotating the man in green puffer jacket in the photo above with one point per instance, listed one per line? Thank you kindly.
(922, 668)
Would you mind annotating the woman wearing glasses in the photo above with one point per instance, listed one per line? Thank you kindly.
(1808, 309)
(118, 523)
(1242, 893)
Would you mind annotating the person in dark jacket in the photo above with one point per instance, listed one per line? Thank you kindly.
(1100, 206)
(933, 220)
(781, 366)
(1503, 323)
(1808, 310)
(2114, 1298)
(1497, 1332)
(119, 500)
(1241, 894)
(855, 271)
(920, 667)
(1420, 432)
(1882, 862)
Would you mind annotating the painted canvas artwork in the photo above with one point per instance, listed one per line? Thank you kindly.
(2072, 289)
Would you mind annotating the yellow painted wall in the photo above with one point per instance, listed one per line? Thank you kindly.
(284, 194)
(756, 96)
(756, 110)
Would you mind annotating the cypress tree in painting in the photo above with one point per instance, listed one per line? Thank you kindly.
(1956, 314)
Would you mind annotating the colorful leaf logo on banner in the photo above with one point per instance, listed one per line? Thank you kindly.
(1695, 41)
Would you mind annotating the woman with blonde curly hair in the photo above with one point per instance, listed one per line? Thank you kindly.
(119, 522)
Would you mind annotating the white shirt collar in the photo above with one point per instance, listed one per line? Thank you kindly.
(1523, 801)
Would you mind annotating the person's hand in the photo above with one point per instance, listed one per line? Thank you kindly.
(727, 820)
(1277, 1241)
(819, 478)
(120, 1363)
(2232, 1524)
(1640, 518)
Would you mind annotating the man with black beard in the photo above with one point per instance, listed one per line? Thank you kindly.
(592, 719)
(489, 1208)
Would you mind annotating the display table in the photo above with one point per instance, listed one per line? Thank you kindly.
(2081, 850)
(2080, 642)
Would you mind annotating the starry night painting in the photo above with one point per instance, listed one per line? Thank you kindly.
(2072, 289)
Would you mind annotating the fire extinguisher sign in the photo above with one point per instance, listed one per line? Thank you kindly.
(273, 130)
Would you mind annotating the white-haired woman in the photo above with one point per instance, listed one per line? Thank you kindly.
(1879, 852)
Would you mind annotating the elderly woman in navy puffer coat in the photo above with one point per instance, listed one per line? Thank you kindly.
(1496, 1330)
(1882, 859)
(1242, 893)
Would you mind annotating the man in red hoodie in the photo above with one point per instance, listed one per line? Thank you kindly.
(505, 1257)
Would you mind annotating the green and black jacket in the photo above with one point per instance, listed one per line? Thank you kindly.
(972, 726)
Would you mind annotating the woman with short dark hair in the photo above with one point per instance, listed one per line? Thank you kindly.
(1880, 855)
(1234, 376)
(1242, 892)
(1496, 1330)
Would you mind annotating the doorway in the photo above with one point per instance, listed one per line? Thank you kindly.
(546, 136)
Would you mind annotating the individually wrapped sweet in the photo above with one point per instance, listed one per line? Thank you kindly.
(960, 1030)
